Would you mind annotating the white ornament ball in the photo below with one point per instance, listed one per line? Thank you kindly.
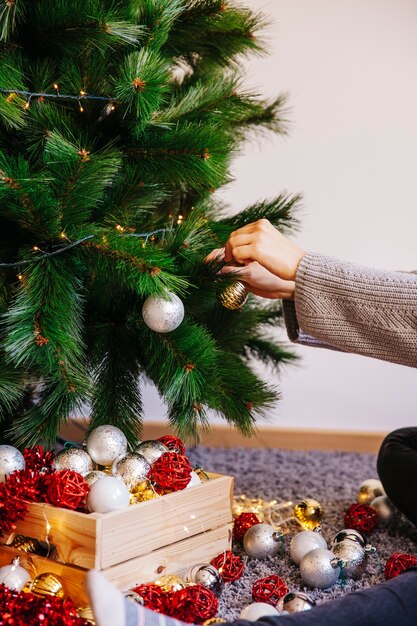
(163, 313)
(14, 576)
(108, 494)
(195, 480)
(105, 444)
(11, 459)
(75, 459)
(304, 542)
(261, 541)
(370, 489)
(384, 507)
(320, 568)
(256, 610)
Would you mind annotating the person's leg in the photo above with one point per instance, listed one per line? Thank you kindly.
(397, 466)
(392, 602)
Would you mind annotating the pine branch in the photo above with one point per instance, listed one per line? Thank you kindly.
(158, 16)
(269, 352)
(12, 387)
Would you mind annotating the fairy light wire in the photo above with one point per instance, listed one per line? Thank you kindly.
(55, 96)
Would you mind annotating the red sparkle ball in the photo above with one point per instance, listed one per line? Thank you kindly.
(171, 471)
(361, 517)
(192, 604)
(18, 608)
(229, 565)
(67, 489)
(36, 458)
(174, 444)
(26, 484)
(397, 563)
(153, 597)
(242, 523)
(11, 510)
(269, 589)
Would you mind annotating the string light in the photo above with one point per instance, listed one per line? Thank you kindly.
(20, 276)
(11, 93)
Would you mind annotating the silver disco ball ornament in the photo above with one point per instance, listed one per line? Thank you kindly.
(354, 557)
(320, 568)
(75, 459)
(91, 477)
(132, 468)
(349, 534)
(163, 314)
(151, 449)
(304, 542)
(295, 602)
(384, 507)
(11, 459)
(369, 490)
(105, 444)
(261, 541)
(208, 576)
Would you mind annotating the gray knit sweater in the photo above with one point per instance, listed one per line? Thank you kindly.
(349, 307)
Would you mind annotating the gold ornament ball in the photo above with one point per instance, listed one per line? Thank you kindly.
(214, 620)
(369, 490)
(309, 513)
(142, 493)
(47, 584)
(26, 544)
(234, 296)
(86, 612)
(170, 582)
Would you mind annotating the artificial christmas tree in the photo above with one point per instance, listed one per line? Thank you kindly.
(118, 121)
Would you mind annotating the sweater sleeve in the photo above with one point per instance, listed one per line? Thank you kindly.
(352, 308)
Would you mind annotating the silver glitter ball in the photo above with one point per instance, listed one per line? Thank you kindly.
(320, 568)
(91, 477)
(370, 489)
(75, 459)
(261, 541)
(151, 450)
(295, 602)
(384, 507)
(304, 542)
(11, 459)
(105, 444)
(353, 555)
(132, 468)
(163, 313)
(208, 576)
(349, 534)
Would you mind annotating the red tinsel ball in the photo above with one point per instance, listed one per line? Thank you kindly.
(37, 458)
(269, 589)
(20, 608)
(229, 565)
(361, 517)
(193, 604)
(398, 563)
(26, 484)
(153, 597)
(67, 489)
(171, 471)
(11, 510)
(174, 444)
(242, 523)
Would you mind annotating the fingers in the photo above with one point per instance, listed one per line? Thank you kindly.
(215, 255)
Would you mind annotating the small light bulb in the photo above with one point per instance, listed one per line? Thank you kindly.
(63, 235)
(27, 105)
(112, 107)
(81, 108)
(20, 276)
(83, 93)
(56, 86)
(35, 248)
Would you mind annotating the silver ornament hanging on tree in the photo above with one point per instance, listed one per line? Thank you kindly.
(207, 575)
(369, 490)
(304, 542)
(163, 314)
(262, 540)
(354, 557)
(75, 459)
(349, 534)
(11, 460)
(295, 602)
(320, 568)
(105, 444)
(132, 468)
(151, 449)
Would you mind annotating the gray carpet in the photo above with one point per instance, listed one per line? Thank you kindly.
(332, 478)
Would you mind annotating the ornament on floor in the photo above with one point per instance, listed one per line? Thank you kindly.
(154, 598)
(303, 542)
(229, 565)
(151, 449)
(256, 610)
(132, 469)
(269, 589)
(384, 508)
(47, 584)
(349, 534)
(308, 513)
(170, 583)
(194, 604)
(369, 490)
(207, 575)
(171, 471)
(108, 494)
(14, 576)
(38, 459)
(361, 517)
(354, 557)
(67, 489)
(105, 444)
(262, 541)
(75, 459)
(397, 563)
(320, 568)
(91, 477)
(174, 444)
(11, 459)
(266, 511)
(296, 602)
(242, 523)
(234, 296)
(163, 314)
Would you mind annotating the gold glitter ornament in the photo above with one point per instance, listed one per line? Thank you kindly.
(47, 584)
(214, 620)
(26, 544)
(308, 512)
(170, 582)
(86, 612)
(234, 296)
(369, 490)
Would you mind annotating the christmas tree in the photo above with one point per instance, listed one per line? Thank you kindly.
(118, 121)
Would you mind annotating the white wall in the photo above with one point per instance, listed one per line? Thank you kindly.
(350, 68)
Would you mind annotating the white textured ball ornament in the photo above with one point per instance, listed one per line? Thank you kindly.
(261, 541)
(354, 557)
(11, 459)
(91, 477)
(105, 444)
(384, 507)
(320, 568)
(14, 576)
(304, 542)
(256, 610)
(195, 480)
(163, 314)
(132, 468)
(108, 494)
(151, 449)
(75, 459)
(370, 489)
